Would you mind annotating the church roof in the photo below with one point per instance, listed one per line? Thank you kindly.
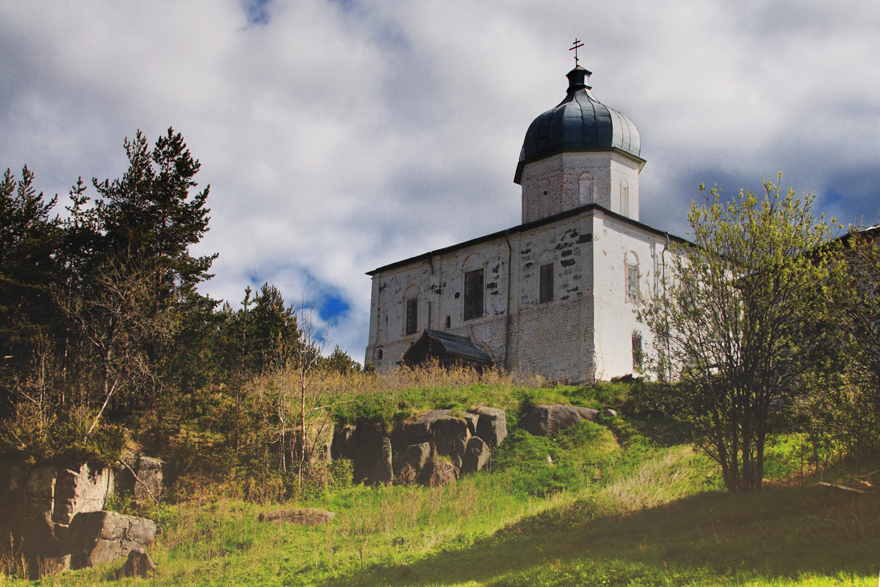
(525, 227)
(579, 122)
(446, 348)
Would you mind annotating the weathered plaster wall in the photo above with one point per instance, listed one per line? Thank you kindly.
(570, 179)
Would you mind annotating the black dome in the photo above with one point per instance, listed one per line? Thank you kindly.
(579, 122)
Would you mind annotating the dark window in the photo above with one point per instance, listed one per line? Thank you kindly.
(380, 354)
(448, 321)
(412, 315)
(546, 290)
(473, 294)
(637, 352)
(632, 284)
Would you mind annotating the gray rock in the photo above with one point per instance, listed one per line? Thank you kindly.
(418, 430)
(472, 419)
(609, 413)
(151, 476)
(369, 450)
(309, 517)
(44, 505)
(548, 419)
(442, 473)
(340, 446)
(476, 456)
(418, 456)
(492, 426)
(450, 437)
(448, 434)
(138, 564)
(95, 538)
(79, 489)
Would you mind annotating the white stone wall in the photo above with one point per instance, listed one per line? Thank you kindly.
(584, 333)
(570, 179)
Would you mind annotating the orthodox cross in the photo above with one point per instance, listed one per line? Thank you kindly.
(577, 44)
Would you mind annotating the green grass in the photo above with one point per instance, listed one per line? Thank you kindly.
(621, 504)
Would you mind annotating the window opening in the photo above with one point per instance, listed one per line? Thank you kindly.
(637, 352)
(412, 315)
(632, 284)
(473, 294)
(624, 198)
(545, 293)
(448, 321)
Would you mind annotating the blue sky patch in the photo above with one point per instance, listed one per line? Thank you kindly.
(257, 11)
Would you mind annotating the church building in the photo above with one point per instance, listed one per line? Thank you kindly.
(555, 295)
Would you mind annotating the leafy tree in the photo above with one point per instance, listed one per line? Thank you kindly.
(339, 361)
(737, 321)
(847, 409)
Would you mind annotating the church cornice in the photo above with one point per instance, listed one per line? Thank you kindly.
(526, 227)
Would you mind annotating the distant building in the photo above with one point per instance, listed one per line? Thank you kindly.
(555, 295)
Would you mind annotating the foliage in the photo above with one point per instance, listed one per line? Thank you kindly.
(29, 239)
(847, 407)
(737, 321)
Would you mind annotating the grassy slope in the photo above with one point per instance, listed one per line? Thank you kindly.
(645, 516)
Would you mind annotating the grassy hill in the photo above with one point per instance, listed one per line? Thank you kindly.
(624, 502)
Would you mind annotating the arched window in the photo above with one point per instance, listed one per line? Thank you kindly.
(411, 310)
(624, 197)
(631, 264)
(585, 188)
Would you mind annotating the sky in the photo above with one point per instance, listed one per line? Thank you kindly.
(338, 136)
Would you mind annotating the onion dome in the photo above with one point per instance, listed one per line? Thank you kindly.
(579, 122)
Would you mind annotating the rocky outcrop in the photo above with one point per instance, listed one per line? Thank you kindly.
(309, 517)
(368, 448)
(463, 441)
(476, 456)
(548, 419)
(39, 503)
(491, 426)
(96, 538)
(151, 476)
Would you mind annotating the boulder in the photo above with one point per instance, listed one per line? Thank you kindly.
(443, 472)
(309, 517)
(418, 458)
(151, 476)
(472, 419)
(94, 538)
(609, 413)
(46, 503)
(492, 426)
(448, 433)
(476, 456)
(339, 446)
(138, 564)
(450, 437)
(418, 430)
(548, 419)
(369, 450)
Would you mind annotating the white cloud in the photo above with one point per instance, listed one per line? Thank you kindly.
(340, 136)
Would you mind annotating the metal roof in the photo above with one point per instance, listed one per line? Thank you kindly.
(523, 228)
(579, 122)
(443, 344)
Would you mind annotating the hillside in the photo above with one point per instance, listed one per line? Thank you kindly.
(624, 502)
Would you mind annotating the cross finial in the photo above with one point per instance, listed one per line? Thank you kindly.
(577, 44)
